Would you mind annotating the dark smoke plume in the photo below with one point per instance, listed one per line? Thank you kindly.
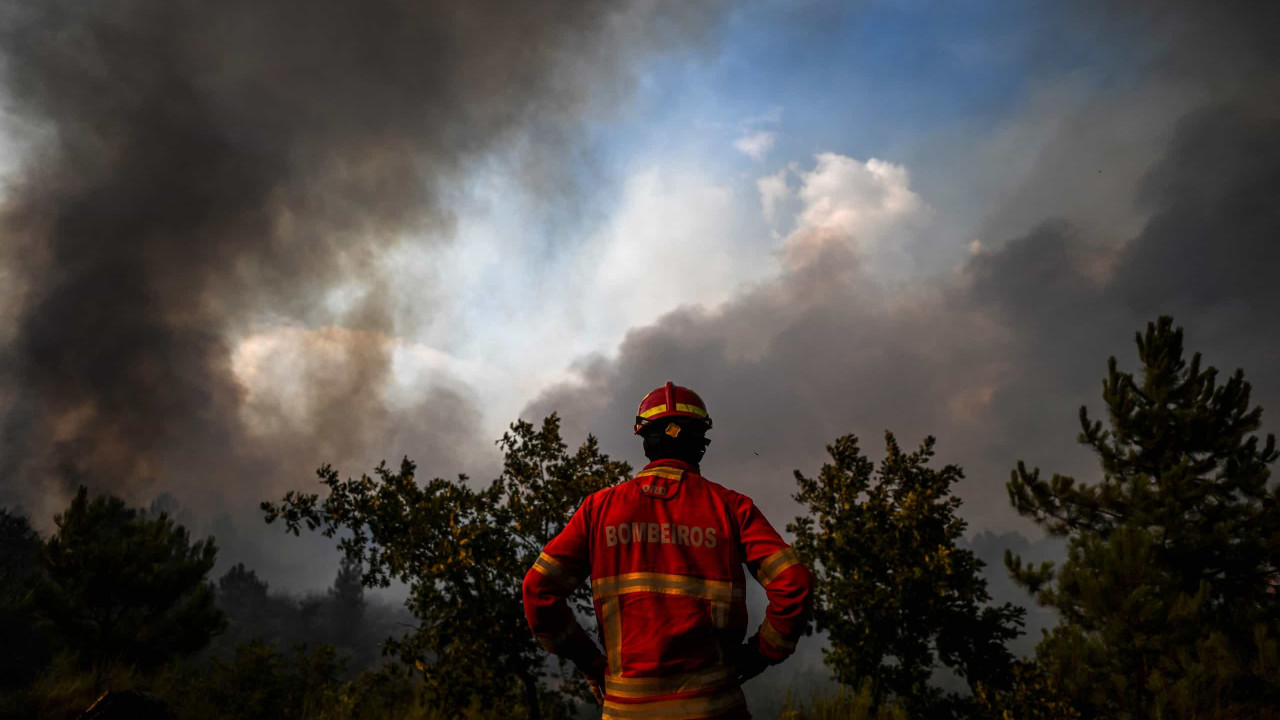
(192, 167)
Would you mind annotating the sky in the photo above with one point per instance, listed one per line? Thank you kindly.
(237, 244)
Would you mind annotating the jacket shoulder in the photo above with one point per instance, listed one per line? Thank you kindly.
(728, 496)
(602, 496)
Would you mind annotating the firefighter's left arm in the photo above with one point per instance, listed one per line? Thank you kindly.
(786, 581)
(561, 567)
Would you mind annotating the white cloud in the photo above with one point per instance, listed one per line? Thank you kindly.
(755, 145)
(867, 207)
(678, 238)
(773, 192)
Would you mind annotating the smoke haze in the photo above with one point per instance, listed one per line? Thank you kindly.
(195, 242)
(194, 171)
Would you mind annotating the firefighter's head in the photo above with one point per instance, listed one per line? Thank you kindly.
(673, 422)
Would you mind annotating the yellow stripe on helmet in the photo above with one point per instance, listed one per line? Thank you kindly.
(653, 411)
(680, 407)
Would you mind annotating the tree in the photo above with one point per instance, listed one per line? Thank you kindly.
(464, 553)
(242, 594)
(258, 681)
(253, 613)
(894, 593)
(347, 605)
(1166, 594)
(27, 650)
(119, 585)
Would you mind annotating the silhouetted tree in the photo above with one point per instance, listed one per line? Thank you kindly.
(26, 649)
(1166, 594)
(121, 586)
(895, 594)
(241, 593)
(347, 604)
(463, 553)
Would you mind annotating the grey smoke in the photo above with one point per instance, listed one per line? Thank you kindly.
(190, 169)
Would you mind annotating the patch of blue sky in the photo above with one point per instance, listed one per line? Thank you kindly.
(894, 80)
(864, 79)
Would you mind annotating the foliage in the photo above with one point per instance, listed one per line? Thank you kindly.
(259, 681)
(26, 649)
(1166, 596)
(1033, 693)
(119, 586)
(251, 612)
(893, 592)
(63, 689)
(845, 704)
(464, 553)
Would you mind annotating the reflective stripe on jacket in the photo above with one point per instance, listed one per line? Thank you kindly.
(665, 552)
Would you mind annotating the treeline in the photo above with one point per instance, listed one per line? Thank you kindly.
(118, 598)
(341, 618)
(1165, 606)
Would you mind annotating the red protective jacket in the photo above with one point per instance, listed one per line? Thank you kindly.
(665, 553)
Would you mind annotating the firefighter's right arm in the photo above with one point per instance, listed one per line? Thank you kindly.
(786, 581)
(561, 567)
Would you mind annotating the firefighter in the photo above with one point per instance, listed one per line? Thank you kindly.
(665, 552)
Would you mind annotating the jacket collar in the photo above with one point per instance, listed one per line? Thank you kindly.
(672, 462)
(661, 478)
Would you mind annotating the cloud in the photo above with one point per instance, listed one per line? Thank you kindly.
(755, 144)
(773, 191)
(677, 238)
(866, 208)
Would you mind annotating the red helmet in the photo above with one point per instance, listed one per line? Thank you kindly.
(671, 400)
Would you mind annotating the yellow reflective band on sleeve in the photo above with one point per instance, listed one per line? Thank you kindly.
(699, 706)
(774, 565)
(647, 687)
(770, 634)
(714, 590)
(552, 568)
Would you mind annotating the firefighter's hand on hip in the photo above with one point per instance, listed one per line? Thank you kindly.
(748, 662)
(594, 673)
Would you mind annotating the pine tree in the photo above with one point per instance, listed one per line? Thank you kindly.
(347, 605)
(121, 586)
(1166, 596)
(27, 649)
(894, 593)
